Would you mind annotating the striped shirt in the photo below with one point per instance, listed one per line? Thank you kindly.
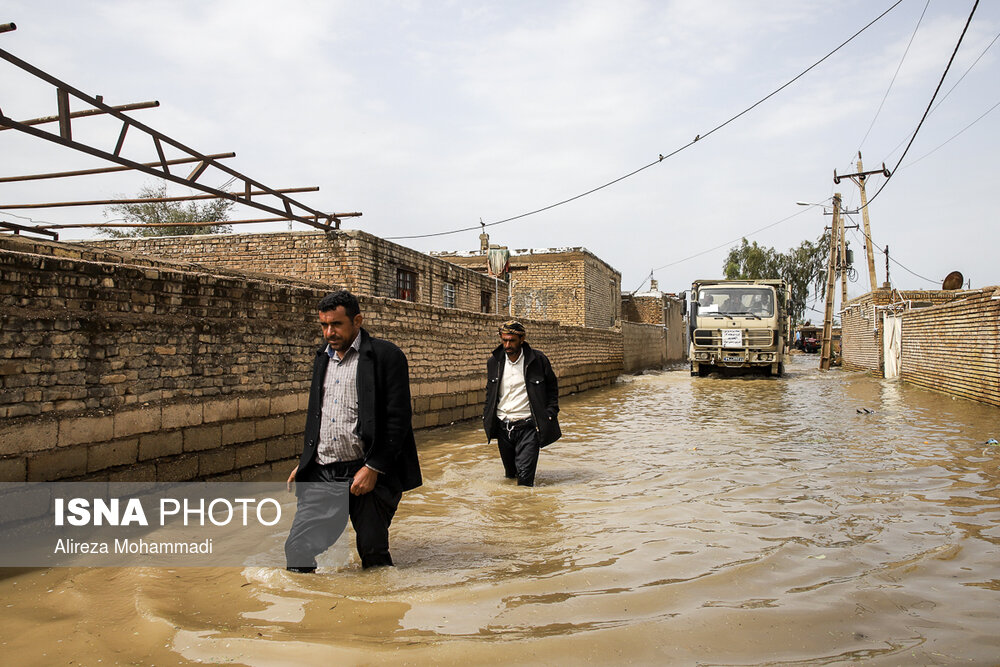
(338, 437)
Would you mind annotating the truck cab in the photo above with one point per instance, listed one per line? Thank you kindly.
(738, 324)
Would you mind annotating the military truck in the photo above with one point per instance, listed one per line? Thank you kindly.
(738, 324)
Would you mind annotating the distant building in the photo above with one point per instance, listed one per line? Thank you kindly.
(666, 310)
(351, 259)
(570, 285)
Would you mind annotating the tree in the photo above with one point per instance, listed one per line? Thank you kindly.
(155, 212)
(803, 268)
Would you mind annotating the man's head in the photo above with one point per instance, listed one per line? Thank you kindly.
(340, 317)
(512, 337)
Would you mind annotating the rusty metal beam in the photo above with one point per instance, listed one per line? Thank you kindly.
(17, 229)
(237, 196)
(7, 27)
(88, 225)
(117, 159)
(88, 112)
(62, 101)
(102, 170)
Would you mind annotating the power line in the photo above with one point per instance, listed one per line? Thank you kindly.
(661, 157)
(895, 74)
(954, 136)
(953, 87)
(723, 245)
(929, 104)
(893, 259)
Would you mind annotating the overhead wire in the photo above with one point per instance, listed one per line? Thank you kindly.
(953, 87)
(895, 74)
(930, 104)
(953, 137)
(662, 157)
(722, 245)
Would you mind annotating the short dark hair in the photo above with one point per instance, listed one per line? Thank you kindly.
(340, 298)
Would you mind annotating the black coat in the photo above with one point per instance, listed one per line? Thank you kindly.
(384, 412)
(543, 393)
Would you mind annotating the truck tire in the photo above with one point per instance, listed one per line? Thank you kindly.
(694, 370)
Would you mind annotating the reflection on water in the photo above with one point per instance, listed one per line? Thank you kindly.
(679, 520)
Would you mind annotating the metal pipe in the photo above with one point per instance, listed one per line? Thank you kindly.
(24, 228)
(104, 170)
(90, 150)
(236, 196)
(87, 225)
(86, 112)
(7, 27)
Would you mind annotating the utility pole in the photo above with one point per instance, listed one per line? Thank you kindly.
(842, 259)
(859, 180)
(831, 281)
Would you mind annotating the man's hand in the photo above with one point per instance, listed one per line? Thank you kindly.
(291, 478)
(364, 481)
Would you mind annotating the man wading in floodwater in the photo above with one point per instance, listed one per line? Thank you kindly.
(522, 401)
(358, 432)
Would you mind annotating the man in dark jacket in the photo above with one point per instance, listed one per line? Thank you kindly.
(522, 401)
(358, 431)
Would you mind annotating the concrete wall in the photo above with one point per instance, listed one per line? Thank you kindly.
(124, 368)
(645, 346)
(955, 347)
(355, 260)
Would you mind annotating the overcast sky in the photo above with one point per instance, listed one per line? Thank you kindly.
(429, 116)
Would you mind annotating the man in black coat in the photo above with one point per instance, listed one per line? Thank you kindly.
(358, 431)
(522, 403)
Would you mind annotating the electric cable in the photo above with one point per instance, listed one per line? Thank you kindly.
(895, 74)
(894, 260)
(952, 89)
(929, 106)
(953, 137)
(662, 157)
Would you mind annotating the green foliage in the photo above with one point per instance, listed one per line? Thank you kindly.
(803, 268)
(171, 213)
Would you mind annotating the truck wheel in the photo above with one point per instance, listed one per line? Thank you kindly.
(694, 370)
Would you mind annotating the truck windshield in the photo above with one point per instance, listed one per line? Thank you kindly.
(747, 301)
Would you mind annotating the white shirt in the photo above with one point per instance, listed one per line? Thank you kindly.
(513, 404)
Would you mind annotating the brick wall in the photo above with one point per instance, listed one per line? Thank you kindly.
(358, 261)
(861, 324)
(129, 369)
(955, 347)
(573, 287)
(645, 346)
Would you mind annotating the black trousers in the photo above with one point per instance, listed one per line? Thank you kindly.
(519, 452)
(319, 517)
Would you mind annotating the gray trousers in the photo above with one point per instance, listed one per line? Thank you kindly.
(320, 521)
(519, 453)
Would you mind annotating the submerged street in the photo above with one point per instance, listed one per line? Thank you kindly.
(817, 518)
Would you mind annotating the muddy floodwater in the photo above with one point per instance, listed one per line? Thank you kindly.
(679, 521)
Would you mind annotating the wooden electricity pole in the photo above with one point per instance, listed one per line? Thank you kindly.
(831, 281)
(859, 180)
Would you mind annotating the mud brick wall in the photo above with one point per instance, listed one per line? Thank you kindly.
(861, 322)
(861, 333)
(112, 369)
(645, 308)
(955, 347)
(645, 346)
(573, 286)
(355, 260)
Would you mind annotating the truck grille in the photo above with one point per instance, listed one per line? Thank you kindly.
(751, 337)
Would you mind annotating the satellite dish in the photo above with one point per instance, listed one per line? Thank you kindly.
(954, 280)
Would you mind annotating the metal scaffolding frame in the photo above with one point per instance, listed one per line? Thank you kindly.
(270, 200)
